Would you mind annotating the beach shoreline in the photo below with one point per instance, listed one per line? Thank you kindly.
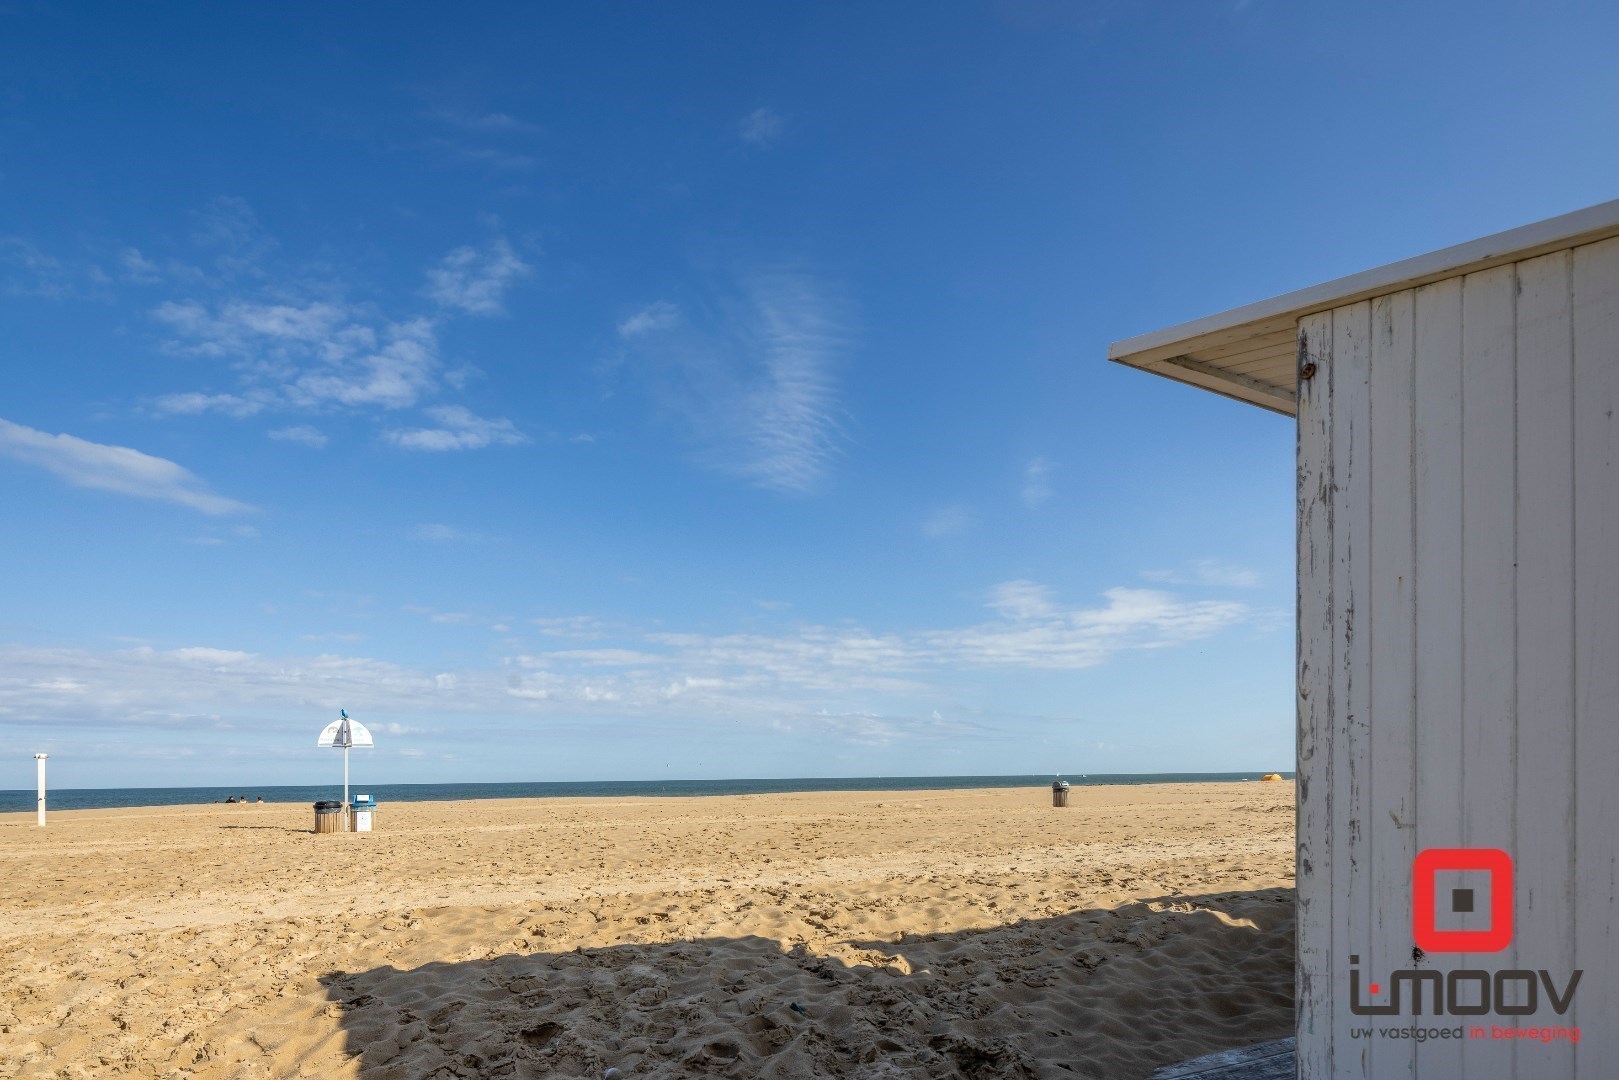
(24, 801)
(1043, 788)
(665, 936)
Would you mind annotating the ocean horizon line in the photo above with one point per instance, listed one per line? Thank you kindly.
(14, 801)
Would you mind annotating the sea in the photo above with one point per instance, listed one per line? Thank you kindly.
(112, 798)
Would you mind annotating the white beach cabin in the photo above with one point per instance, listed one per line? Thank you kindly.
(1458, 646)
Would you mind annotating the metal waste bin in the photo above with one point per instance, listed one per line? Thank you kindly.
(328, 816)
(360, 813)
(1059, 793)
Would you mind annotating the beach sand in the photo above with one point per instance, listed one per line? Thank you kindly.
(939, 934)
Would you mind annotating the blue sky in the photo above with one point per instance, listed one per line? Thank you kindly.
(695, 390)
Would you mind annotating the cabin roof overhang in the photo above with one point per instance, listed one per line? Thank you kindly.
(1251, 353)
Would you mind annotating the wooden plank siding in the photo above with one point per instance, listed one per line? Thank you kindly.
(1595, 887)
(1314, 972)
(1458, 648)
(1545, 663)
(1437, 477)
(1391, 637)
(1351, 435)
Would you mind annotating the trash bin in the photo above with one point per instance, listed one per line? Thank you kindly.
(361, 811)
(328, 816)
(1059, 793)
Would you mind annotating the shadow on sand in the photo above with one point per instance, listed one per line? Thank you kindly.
(1108, 993)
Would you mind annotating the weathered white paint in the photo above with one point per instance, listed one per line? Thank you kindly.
(1545, 599)
(1314, 1000)
(1458, 628)
(1595, 880)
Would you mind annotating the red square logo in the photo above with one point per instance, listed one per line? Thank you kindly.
(1429, 938)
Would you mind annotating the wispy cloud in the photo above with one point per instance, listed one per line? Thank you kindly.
(193, 404)
(391, 376)
(1022, 600)
(1216, 572)
(761, 127)
(854, 684)
(441, 534)
(485, 123)
(302, 434)
(1036, 482)
(483, 139)
(475, 281)
(297, 344)
(459, 429)
(488, 157)
(228, 227)
(112, 468)
(240, 326)
(137, 268)
(948, 521)
(657, 316)
(25, 270)
(293, 355)
(755, 380)
(792, 428)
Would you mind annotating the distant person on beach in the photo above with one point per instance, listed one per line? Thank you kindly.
(230, 799)
(259, 799)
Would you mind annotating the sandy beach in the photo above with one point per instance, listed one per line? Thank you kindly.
(972, 933)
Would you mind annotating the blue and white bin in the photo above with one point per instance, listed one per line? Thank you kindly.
(361, 812)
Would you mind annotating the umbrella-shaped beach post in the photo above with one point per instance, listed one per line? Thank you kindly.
(345, 733)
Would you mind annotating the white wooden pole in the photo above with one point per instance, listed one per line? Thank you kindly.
(41, 759)
(345, 779)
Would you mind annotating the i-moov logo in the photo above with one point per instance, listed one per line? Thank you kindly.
(1461, 902)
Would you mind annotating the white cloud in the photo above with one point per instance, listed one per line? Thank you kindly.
(755, 383)
(302, 434)
(1021, 600)
(1056, 639)
(791, 429)
(487, 157)
(490, 123)
(849, 682)
(761, 127)
(239, 325)
(1216, 572)
(295, 344)
(439, 533)
(138, 268)
(112, 468)
(192, 404)
(574, 627)
(459, 429)
(228, 226)
(948, 521)
(392, 377)
(657, 316)
(1036, 483)
(25, 270)
(476, 281)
